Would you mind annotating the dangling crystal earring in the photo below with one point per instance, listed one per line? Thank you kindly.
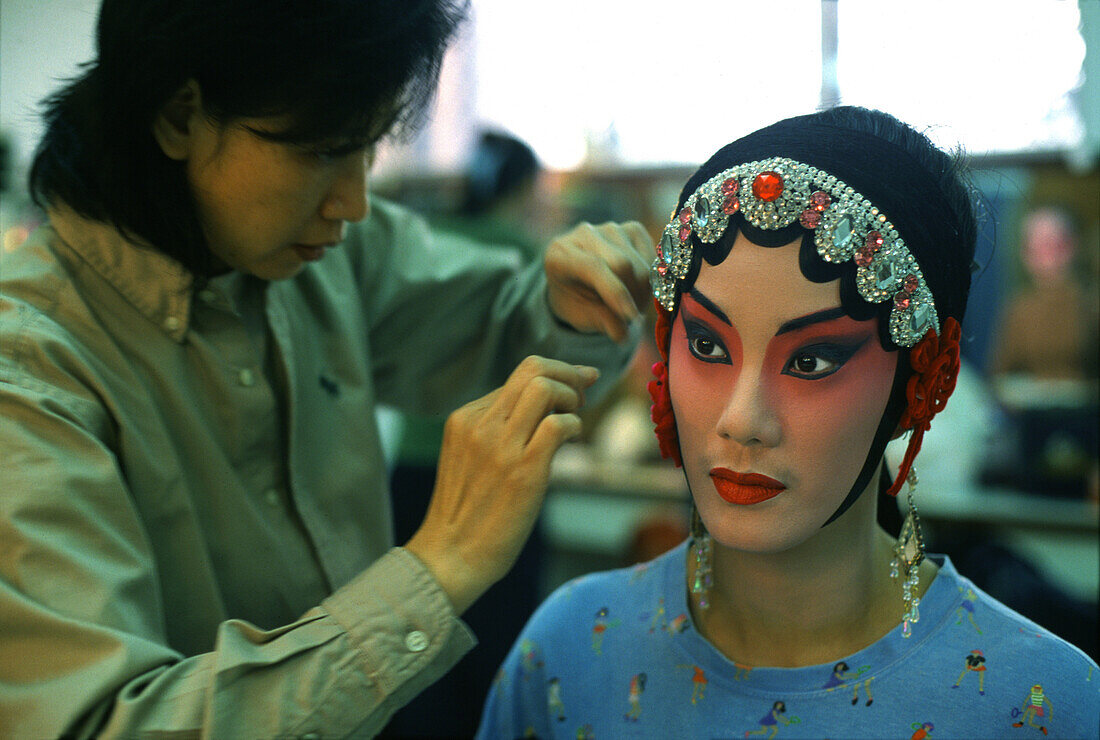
(701, 549)
(908, 554)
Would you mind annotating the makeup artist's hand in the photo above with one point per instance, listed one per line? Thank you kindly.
(597, 277)
(492, 477)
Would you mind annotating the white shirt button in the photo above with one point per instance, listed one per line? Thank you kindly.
(246, 377)
(311, 736)
(272, 497)
(416, 641)
(171, 323)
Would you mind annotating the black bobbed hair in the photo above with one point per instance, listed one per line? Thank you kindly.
(334, 72)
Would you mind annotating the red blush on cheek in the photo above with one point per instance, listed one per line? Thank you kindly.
(857, 392)
(695, 384)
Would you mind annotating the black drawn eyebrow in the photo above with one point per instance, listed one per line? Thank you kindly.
(813, 318)
(708, 304)
(817, 317)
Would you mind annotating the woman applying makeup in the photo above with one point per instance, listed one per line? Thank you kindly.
(196, 533)
(810, 286)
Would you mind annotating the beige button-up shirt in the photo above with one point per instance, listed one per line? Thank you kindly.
(195, 531)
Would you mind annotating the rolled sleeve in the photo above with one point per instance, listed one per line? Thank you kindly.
(403, 627)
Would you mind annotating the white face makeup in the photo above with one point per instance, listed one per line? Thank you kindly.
(777, 396)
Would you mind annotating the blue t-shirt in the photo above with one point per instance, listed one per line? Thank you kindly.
(615, 654)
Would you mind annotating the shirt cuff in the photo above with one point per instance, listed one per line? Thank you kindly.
(402, 624)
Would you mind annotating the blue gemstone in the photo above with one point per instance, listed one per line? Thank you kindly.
(702, 212)
(842, 232)
(885, 275)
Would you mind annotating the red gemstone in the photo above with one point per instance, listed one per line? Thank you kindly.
(685, 232)
(820, 200)
(901, 299)
(810, 218)
(768, 186)
(662, 268)
(911, 283)
(731, 204)
(685, 216)
(731, 186)
(864, 256)
(874, 240)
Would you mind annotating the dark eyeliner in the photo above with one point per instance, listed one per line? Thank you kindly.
(837, 353)
(695, 330)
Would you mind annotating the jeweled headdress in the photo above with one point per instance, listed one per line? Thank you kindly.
(774, 193)
(748, 187)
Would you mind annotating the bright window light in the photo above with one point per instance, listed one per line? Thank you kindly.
(615, 82)
(607, 83)
(994, 76)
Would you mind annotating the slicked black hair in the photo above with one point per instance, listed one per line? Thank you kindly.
(923, 189)
(345, 71)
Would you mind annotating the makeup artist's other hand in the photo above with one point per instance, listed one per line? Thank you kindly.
(493, 470)
(597, 277)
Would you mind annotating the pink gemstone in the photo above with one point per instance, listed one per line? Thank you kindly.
(731, 204)
(685, 216)
(730, 186)
(820, 200)
(864, 256)
(768, 186)
(810, 218)
(874, 240)
(911, 283)
(662, 268)
(685, 232)
(901, 299)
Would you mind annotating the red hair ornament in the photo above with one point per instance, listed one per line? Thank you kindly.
(935, 363)
(661, 411)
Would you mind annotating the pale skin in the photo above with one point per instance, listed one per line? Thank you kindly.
(266, 205)
(787, 592)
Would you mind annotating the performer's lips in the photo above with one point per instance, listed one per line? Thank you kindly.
(744, 488)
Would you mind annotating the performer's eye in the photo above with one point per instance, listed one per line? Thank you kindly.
(821, 360)
(703, 344)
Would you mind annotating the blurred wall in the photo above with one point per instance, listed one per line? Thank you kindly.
(41, 43)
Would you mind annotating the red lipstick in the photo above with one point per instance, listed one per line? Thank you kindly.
(744, 488)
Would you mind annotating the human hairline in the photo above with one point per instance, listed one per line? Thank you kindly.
(897, 169)
(810, 266)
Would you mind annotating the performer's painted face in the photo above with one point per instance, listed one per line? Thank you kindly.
(768, 377)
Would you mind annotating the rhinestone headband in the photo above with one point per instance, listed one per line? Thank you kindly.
(774, 193)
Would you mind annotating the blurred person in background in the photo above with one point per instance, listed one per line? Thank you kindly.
(1046, 363)
(1051, 326)
(504, 200)
(811, 286)
(195, 529)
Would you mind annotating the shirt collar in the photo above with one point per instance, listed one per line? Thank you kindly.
(155, 284)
